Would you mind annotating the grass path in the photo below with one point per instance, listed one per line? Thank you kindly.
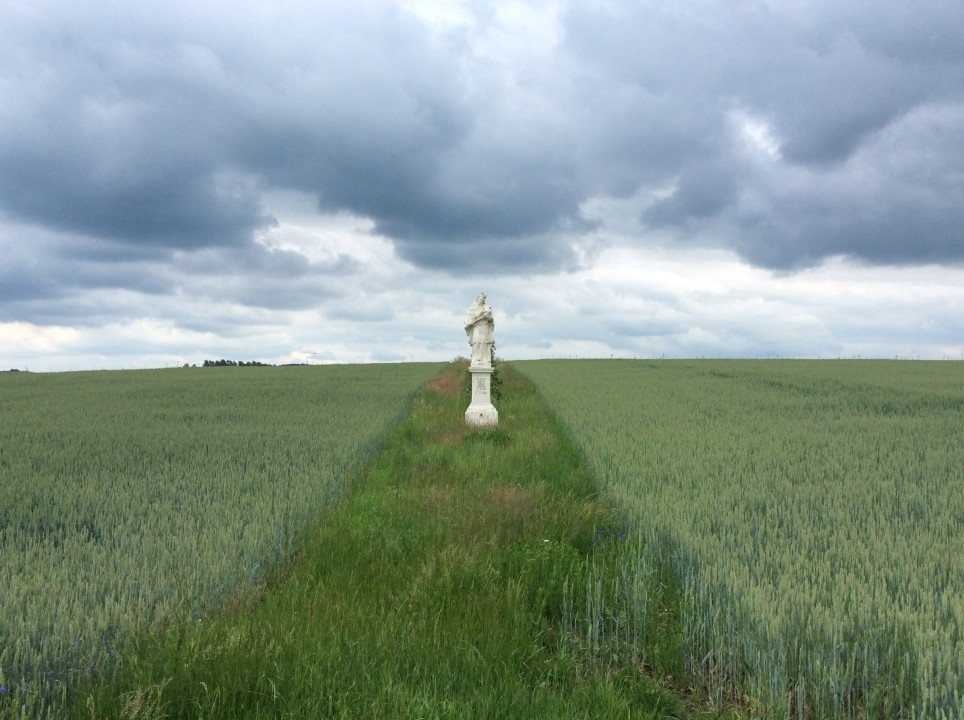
(436, 589)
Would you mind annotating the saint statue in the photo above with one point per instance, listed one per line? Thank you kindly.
(478, 326)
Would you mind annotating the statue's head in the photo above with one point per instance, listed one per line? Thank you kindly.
(481, 299)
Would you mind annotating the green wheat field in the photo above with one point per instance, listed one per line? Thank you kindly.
(652, 539)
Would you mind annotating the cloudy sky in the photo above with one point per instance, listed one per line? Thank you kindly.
(336, 181)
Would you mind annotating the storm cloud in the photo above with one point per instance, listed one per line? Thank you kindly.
(140, 144)
(159, 128)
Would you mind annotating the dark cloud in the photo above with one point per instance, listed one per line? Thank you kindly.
(156, 133)
(265, 278)
(894, 202)
(51, 278)
(107, 132)
(520, 255)
(835, 94)
(702, 191)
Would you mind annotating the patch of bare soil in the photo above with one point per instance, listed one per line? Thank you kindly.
(446, 383)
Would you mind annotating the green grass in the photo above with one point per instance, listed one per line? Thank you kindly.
(451, 583)
(131, 500)
(812, 512)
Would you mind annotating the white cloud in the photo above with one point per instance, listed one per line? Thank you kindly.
(27, 340)
(622, 178)
(630, 303)
(757, 134)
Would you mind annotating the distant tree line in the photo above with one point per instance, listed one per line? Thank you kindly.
(234, 363)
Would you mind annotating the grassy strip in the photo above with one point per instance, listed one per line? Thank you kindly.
(446, 585)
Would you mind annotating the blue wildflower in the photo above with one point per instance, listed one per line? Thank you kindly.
(3, 689)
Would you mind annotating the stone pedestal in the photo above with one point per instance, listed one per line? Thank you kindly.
(481, 411)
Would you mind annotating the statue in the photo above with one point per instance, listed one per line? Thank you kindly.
(479, 325)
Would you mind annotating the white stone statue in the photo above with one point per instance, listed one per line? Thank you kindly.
(479, 325)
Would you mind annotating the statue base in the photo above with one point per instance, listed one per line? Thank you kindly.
(481, 412)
